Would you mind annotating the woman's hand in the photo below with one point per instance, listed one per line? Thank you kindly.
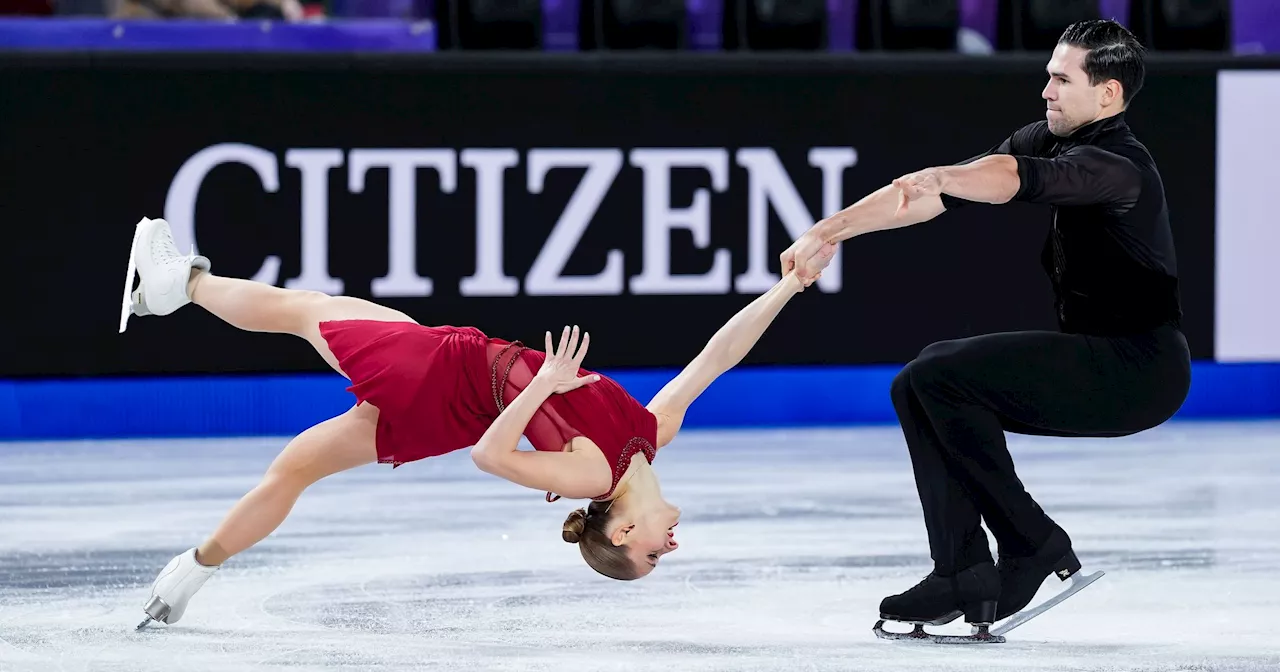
(811, 271)
(561, 367)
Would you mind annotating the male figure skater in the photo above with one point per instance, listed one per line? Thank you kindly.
(1118, 365)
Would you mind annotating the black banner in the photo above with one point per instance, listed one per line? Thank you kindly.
(644, 198)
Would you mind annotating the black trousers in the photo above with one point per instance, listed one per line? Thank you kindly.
(958, 398)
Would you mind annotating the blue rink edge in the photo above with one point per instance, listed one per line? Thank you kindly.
(274, 405)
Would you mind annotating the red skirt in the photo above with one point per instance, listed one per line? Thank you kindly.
(429, 384)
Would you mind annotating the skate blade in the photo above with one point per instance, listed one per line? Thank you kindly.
(981, 636)
(1077, 583)
(126, 304)
(156, 610)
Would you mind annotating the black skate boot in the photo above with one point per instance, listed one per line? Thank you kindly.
(1020, 577)
(938, 600)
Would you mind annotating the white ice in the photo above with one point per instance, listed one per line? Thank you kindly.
(789, 541)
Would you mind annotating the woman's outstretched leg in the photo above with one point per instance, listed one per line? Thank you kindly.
(171, 280)
(254, 306)
(335, 445)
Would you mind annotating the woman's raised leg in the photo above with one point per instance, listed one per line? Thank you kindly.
(254, 306)
(170, 280)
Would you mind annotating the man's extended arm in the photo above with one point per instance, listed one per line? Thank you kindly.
(1081, 176)
(890, 207)
(991, 179)
(877, 211)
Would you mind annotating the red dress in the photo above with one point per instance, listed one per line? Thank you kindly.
(437, 390)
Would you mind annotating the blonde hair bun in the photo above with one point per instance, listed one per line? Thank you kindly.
(574, 525)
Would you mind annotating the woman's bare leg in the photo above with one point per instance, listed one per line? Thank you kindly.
(254, 306)
(335, 445)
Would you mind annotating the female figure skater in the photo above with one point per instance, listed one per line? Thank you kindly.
(425, 391)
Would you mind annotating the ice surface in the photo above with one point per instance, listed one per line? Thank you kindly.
(789, 541)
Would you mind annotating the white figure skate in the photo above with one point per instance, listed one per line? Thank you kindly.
(171, 591)
(164, 272)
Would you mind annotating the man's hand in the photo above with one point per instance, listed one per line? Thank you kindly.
(811, 270)
(798, 257)
(918, 185)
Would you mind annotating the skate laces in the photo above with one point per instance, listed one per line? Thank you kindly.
(922, 581)
(163, 249)
(1013, 564)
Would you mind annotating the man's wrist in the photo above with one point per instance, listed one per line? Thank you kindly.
(827, 230)
(944, 178)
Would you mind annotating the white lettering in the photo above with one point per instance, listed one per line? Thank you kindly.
(402, 277)
(180, 203)
(489, 280)
(660, 218)
(315, 165)
(769, 185)
(544, 277)
(769, 189)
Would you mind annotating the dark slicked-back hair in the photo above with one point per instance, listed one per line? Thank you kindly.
(1114, 53)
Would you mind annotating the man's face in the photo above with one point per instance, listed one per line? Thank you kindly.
(1070, 101)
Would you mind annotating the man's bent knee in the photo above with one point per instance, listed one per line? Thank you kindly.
(900, 389)
(938, 364)
(931, 361)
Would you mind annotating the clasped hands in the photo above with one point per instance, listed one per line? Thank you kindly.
(807, 257)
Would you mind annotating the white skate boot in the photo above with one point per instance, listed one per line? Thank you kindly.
(164, 272)
(171, 591)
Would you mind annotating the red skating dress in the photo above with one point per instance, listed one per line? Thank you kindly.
(437, 390)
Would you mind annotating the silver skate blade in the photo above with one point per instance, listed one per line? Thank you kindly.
(126, 304)
(156, 610)
(918, 634)
(1076, 584)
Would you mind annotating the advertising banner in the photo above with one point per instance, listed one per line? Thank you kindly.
(644, 199)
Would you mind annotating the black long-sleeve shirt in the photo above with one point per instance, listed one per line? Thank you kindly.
(1109, 252)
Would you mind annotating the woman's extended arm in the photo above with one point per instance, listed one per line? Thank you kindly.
(726, 348)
